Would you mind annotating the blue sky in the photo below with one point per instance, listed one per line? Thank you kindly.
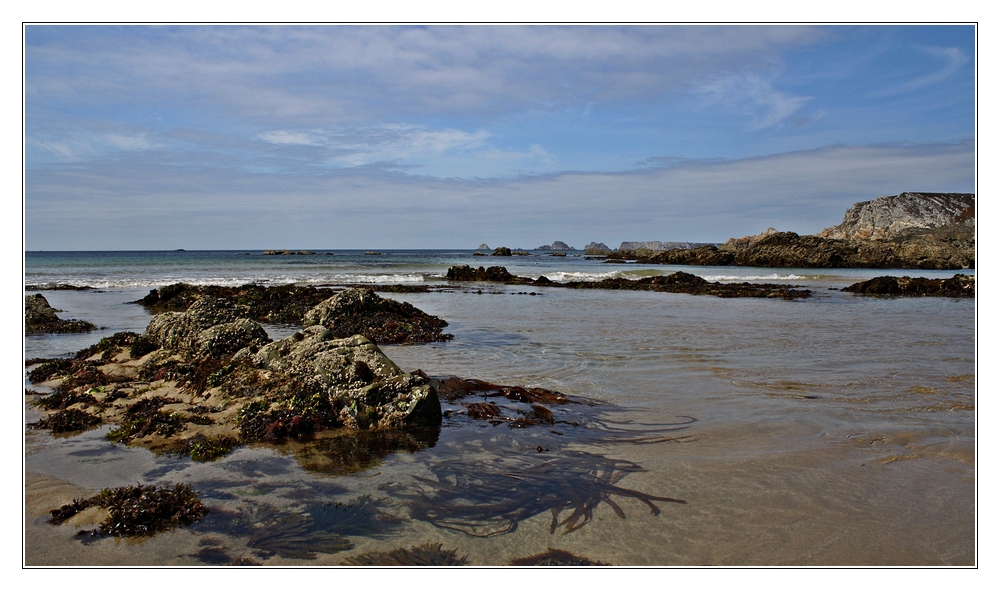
(445, 137)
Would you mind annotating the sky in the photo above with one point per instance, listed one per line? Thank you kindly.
(232, 137)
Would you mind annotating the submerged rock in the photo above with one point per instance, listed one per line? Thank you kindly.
(959, 286)
(362, 311)
(40, 317)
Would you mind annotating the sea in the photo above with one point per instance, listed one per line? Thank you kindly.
(838, 429)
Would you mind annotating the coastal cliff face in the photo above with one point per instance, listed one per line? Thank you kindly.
(907, 213)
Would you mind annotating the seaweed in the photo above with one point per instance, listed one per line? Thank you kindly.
(67, 420)
(144, 418)
(204, 449)
(61, 398)
(138, 510)
(488, 498)
(423, 555)
(317, 527)
(556, 557)
(108, 347)
(50, 369)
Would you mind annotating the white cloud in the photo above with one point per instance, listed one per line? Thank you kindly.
(952, 58)
(145, 205)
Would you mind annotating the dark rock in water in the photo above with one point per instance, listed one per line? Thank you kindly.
(675, 283)
(467, 273)
(479, 254)
(57, 287)
(425, 555)
(959, 286)
(279, 304)
(40, 317)
(362, 311)
(372, 253)
(502, 251)
(597, 248)
(554, 557)
(287, 252)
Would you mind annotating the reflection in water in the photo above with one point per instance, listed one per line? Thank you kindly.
(313, 527)
(485, 498)
(346, 452)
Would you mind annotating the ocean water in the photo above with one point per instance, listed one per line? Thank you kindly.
(839, 429)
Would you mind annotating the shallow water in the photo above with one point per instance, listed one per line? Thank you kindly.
(833, 430)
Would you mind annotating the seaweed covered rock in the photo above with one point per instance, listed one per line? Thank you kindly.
(276, 303)
(359, 381)
(363, 312)
(40, 317)
(959, 286)
(211, 325)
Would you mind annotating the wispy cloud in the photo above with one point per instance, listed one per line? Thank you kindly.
(950, 60)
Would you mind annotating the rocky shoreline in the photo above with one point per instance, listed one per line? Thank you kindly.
(789, 250)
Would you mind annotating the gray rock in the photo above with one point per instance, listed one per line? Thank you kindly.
(40, 317)
(657, 245)
(484, 246)
(904, 214)
(372, 391)
(594, 247)
(210, 325)
(557, 245)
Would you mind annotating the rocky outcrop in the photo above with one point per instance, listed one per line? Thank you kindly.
(557, 245)
(279, 304)
(287, 252)
(788, 249)
(907, 214)
(362, 311)
(656, 245)
(211, 326)
(959, 286)
(467, 273)
(369, 390)
(502, 251)
(596, 248)
(483, 246)
(748, 241)
(40, 318)
(676, 283)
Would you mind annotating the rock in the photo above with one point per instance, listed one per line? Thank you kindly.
(675, 283)
(905, 214)
(596, 248)
(40, 317)
(656, 245)
(467, 273)
(210, 326)
(959, 286)
(369, 390)
(372, 253)
(484, 246)
(287, 252)
(558, 254)
(502, 251)
(557, 245)
(362, 311)
(748, 241)
(278, 304)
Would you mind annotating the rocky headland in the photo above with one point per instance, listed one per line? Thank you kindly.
(906, 231)
(675, 283)
(40, 318)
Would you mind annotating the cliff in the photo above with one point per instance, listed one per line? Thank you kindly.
(907, 214)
